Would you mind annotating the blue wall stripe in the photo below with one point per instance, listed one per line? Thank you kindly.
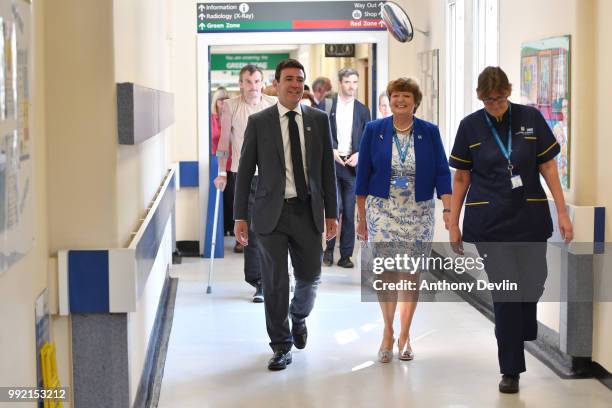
(88, 281)
(599, 238)
(212, 191)
(189, 174)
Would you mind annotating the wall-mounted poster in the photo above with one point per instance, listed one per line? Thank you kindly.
(429, 82)
(16, 202)
(545, 84)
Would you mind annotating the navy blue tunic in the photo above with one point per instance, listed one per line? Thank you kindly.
(494, 211)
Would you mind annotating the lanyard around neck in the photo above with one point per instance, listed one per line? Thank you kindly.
(506, 150)
(402, 152)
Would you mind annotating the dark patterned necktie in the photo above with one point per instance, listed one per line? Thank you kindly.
(296, 157)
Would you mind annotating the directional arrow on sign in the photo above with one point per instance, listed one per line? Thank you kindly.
(201, 25)
(201, 16)
(201, 7)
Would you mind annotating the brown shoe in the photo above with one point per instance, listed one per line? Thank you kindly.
(238, 248)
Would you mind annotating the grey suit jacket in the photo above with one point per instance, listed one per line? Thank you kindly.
(263, 147)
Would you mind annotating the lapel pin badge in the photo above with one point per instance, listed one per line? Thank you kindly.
(308, 128)
(420, 137)
(381, 136)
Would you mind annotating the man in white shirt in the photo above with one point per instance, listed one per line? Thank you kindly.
(294, 203)
(347, 118)
(236, 112)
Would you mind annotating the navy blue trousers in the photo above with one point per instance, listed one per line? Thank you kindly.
(345, 186)
(515, 311)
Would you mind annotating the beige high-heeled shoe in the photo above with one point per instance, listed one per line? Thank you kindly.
(385, 356)
(406, 354)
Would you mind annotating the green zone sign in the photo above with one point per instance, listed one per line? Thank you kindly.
(234, 62)
(290, 16)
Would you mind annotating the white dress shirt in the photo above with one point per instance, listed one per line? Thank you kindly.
(344, 125)
(290, 190)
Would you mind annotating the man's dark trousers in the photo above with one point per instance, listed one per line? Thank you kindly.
(345, 177)
(295, 232)
(228, 203)
(252, 255)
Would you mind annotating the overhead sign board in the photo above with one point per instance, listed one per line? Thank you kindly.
(235, 62)
(298, 16)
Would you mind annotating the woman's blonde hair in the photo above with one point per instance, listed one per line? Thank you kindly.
(220, 93)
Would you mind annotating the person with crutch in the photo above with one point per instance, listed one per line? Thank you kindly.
(236, 112)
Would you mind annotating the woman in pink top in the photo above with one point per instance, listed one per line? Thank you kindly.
(215, 119)
(216, 109)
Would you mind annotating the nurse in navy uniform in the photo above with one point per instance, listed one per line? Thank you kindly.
(499, 154)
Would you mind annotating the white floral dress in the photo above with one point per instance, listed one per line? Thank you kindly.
(400, 220)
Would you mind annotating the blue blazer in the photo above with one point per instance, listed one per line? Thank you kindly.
(374, 166)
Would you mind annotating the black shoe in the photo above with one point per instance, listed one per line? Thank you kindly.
(280, 360)
(300, 334)
(346, 263)
(238, 248)
(328, 257)
(258, 295)
(509, 384)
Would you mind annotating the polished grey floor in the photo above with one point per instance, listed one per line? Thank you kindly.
(219, 350)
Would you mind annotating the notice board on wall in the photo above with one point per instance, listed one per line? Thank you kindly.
(546, 85)
(16, 201)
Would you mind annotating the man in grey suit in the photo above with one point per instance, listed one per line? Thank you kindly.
(295, 199)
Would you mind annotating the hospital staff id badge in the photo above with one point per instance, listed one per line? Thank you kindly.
(401, 182)
(516, 181)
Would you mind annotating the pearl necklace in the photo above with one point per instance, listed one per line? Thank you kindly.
(402, 130)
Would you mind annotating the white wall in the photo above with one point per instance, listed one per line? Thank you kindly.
(184, 144)
(81, 125)
(81, 138)
(142, 50)
(601, 181)
(25, 280)
(545, 19)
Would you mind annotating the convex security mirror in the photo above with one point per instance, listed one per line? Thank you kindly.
(397, 21)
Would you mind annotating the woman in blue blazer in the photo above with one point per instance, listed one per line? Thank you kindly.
(401, 162)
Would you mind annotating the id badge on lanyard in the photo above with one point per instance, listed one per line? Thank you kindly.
(401, 182)
(515, 180)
